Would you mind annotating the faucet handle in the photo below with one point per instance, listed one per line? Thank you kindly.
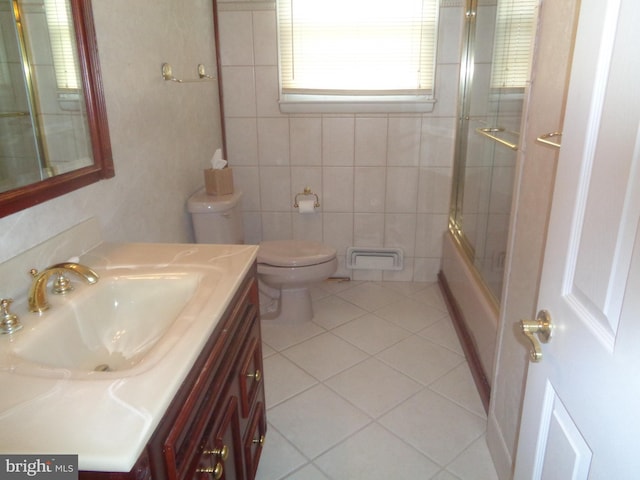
(61, 285)
(9, 322)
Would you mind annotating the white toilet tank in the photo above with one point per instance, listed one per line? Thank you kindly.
(216, 218)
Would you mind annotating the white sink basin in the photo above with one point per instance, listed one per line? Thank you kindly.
(111, 326)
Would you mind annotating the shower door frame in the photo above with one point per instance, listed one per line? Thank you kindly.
(496, 122)
(460, 150)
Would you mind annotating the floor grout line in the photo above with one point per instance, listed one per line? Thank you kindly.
(439, 381)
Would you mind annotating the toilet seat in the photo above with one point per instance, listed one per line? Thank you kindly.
(294, 253)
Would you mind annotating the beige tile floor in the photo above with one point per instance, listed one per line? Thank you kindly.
(375, 387)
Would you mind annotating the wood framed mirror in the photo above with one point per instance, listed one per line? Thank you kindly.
(70, 141)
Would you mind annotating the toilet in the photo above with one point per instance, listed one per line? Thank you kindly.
(286, 268)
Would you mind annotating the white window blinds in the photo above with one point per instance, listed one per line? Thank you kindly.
(352, 47)
(514, 39)
(60, 23)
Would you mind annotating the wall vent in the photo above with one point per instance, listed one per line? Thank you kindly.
(362, 258)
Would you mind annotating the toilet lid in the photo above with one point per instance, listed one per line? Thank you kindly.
(294, 253)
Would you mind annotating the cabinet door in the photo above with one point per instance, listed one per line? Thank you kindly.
(222, 453)
(251, 373)
(254, 440)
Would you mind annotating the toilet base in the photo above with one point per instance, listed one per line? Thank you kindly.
(294, 306)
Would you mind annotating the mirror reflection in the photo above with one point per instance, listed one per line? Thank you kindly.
(44, 129)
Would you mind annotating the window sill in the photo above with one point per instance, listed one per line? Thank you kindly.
(69, 100)
(355, 104)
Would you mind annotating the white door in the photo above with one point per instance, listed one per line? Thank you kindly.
(581, 414)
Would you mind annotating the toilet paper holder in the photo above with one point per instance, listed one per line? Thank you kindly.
(306, 193)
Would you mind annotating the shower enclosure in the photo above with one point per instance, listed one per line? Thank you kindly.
(496, 61)
(20, 141)
(499, 37)
(43, 117)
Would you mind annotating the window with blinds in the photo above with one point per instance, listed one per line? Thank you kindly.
(345, 50)
(513, 43)
(61, 34)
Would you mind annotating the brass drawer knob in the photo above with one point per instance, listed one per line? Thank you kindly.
(259, 441)
(223, 452)
(216, 471)
(257, 375)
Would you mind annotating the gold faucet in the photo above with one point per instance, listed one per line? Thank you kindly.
(37, 298)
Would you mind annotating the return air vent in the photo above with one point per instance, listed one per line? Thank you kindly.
(361, 258)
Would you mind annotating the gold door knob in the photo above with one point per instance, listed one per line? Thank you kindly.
(216, 471)
(223, 452)
(542, 327)
(257, 375)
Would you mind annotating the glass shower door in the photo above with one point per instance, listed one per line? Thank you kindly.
(19, 145)
(494, 74)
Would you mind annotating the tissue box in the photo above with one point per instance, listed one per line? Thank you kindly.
(218, 181)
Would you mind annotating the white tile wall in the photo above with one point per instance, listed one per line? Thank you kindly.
(383, 180)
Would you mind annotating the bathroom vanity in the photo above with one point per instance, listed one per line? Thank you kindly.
(191, 406)
(216, 424)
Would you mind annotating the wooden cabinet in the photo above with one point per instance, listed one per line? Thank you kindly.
(216, 424)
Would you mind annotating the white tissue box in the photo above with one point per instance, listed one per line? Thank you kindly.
(218, 181)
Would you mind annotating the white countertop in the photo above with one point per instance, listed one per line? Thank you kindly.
(108, 418)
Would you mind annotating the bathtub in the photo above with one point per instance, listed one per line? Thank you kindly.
(473, 311)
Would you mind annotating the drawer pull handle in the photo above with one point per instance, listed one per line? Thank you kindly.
(257, 375)
(223, 452)
(259, 441)
(216, 471)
